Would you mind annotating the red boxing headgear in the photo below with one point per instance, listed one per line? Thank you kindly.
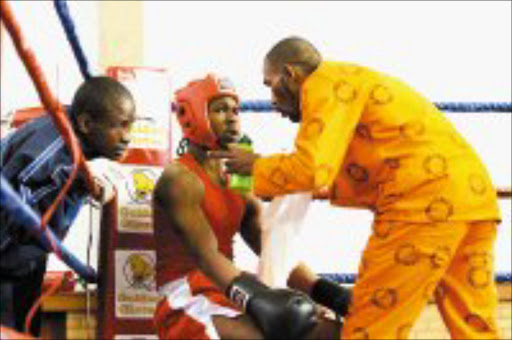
(193, 102)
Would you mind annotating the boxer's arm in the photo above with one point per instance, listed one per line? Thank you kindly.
(180, 193)
(250, 229)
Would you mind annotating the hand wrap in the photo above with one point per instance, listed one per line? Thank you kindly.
(332, 295)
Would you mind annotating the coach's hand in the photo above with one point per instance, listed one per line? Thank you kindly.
(237, 160)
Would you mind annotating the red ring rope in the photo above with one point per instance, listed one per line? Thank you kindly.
(52, 105)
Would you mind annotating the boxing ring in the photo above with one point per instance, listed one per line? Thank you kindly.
(36, 225)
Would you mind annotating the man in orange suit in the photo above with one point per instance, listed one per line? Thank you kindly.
(373, 142)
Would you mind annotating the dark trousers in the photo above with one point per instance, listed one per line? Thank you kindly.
(18, 295)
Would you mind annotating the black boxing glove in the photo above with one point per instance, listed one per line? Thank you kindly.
(278, 313)
(332, 295)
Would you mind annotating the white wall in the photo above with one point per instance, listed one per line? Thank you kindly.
(450, 51)
(45, 36)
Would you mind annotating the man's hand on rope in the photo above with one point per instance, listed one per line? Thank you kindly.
(105, 174)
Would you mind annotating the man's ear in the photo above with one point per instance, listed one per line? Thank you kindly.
(84, 123)
(294, 72)
(289, 71)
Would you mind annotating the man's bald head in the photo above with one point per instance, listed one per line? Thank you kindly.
(286, 67)
(294, 51)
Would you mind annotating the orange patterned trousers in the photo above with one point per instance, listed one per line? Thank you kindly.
(405, 264)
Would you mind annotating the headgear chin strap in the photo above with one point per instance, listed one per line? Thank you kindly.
(193, 102)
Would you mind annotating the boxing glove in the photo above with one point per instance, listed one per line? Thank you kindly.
(278, 313)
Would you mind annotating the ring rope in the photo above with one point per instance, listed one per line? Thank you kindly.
(11, 203)
(51, 104)
(68, 25)
(453, 107)
(352, 278)
(51, 291)
(63, 125)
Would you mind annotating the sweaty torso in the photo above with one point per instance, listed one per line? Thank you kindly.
(223, 209)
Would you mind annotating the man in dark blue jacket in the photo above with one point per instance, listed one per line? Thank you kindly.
(36, 162)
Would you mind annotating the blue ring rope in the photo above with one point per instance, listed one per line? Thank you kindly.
(69, 28)
(352, 278)
(260, 106)
(28, 219)
(461, 107)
